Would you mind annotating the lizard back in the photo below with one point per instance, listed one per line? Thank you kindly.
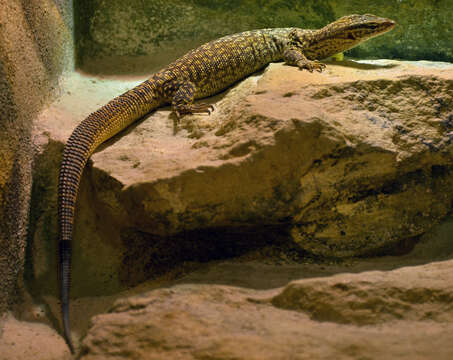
(214, 66)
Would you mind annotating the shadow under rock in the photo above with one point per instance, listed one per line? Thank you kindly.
(272, 267)
(148, 256)
(252, 258)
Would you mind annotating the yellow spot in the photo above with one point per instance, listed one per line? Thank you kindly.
(338, 57)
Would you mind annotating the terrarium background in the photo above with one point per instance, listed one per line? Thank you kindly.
(146, 34)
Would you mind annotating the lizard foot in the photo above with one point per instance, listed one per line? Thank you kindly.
(311, 65)
(200, 108)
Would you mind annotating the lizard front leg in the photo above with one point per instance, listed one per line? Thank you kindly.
(182, 102)
(295, 57)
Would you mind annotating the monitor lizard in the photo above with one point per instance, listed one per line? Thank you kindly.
(202, 72)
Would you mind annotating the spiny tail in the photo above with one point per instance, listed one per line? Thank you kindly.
(87, 136)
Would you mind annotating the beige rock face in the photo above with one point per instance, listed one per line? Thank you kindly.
(353, 160)
(35, 43)
(402, 314)
(26, 340)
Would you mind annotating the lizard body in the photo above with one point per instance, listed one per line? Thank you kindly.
(202, 72)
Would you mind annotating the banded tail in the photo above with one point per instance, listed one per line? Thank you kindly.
(87, 136)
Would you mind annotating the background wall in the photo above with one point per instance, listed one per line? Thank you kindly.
(147, 34)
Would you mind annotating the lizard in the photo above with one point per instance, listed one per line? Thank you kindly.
(200, 73)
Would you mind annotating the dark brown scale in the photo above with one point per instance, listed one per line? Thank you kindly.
(201, 72)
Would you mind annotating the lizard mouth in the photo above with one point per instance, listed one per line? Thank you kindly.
(382, 27)
(389, 25)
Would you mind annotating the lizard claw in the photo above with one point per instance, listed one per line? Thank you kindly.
(320, 67)
(211, 109)
(311, 65)
(201, 108)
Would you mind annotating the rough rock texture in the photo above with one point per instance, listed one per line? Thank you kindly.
(267, 269)
(26, 340)
(402, 314)
(34, 47)
(334, 157)
(145, 35)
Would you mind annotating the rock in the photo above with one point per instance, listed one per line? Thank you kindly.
(402, 314)
(374, 297)
(337, 160)
(22, 340)
(34, 42)
(112, 38)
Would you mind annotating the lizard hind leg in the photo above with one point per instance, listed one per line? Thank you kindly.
(183, 98)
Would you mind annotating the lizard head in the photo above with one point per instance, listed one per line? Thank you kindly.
(358, 28)
(343, 34)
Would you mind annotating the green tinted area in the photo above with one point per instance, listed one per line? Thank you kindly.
(147, 34)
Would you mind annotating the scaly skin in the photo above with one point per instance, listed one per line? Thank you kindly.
(202, 72)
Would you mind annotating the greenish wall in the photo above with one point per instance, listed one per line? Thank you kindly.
(424, 31)
(143, 35)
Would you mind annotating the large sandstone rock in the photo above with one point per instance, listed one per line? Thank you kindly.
(402, 314)
(354, 161)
